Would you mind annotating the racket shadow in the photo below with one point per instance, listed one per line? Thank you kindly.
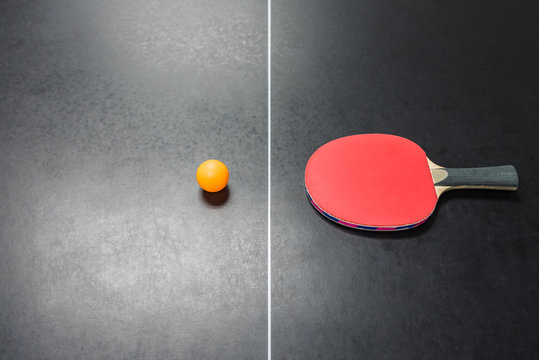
(445, 200)
(400, 234)
(462, 195)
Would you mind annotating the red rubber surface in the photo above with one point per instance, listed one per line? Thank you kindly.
(372, 179)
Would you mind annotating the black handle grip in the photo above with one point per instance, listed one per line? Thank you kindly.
(497, 177)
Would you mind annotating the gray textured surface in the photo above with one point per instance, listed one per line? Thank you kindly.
(460, 79)
(108, 247)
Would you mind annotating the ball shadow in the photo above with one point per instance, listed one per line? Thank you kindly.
(215, 199)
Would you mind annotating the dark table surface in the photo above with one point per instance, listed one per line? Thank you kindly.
(109, 250)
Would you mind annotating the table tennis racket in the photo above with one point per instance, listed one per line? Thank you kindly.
(386, 182)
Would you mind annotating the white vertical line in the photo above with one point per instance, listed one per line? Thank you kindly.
(269, 179)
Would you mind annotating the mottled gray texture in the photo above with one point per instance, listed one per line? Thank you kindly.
(459, 78)
(108, 247)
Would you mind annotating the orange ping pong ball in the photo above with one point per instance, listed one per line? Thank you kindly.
(212, 175)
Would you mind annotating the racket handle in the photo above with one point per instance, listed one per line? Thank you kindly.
(496, 177)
